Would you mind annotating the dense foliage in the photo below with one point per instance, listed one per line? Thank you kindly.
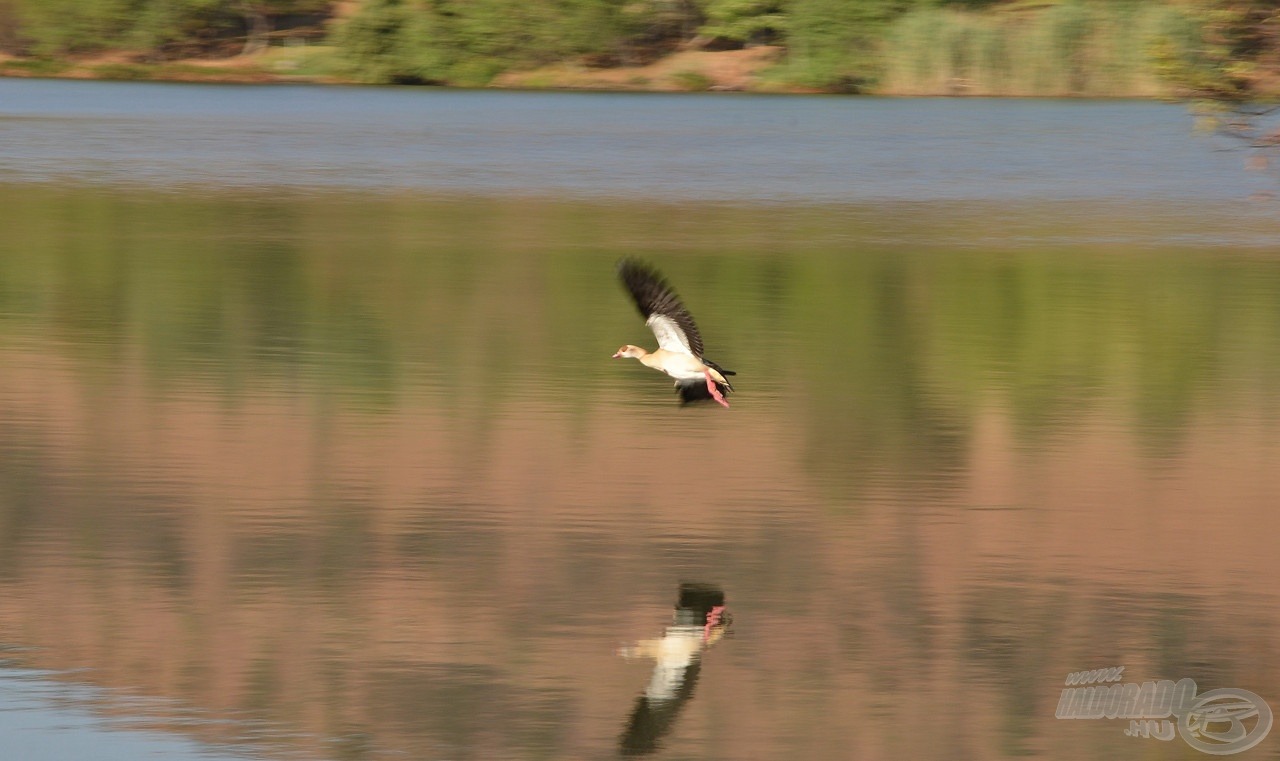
(1239, 58)
(468, 41)
(1220, 49)
(831, 44)
(149, 28)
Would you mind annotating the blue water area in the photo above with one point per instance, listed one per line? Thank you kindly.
(46, 717)
(691, 146)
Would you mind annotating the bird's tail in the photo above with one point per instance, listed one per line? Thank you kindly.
(695, 390)
(723, 372)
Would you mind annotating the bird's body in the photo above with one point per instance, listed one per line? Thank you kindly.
(679, 352)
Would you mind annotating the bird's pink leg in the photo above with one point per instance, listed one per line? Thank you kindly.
(715, 392)
(713, 618)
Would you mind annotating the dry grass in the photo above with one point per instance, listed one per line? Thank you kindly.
(272, 65)
(682, 71)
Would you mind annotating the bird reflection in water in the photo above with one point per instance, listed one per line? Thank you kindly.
(700, 621)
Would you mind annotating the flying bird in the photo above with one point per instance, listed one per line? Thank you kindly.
(679, 351)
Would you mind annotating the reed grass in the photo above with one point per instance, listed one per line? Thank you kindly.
(1071, 48)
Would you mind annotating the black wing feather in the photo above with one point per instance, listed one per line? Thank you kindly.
(653, 295)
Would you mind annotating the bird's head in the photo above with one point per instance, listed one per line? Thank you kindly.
(629, 351)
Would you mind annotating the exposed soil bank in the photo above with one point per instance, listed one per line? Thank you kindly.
(693, 70)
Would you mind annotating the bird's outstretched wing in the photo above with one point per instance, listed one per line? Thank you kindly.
(661, 308)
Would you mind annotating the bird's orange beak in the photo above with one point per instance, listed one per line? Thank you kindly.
(617, 354)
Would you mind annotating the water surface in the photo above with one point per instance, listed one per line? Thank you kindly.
(294, 468)
(690, 147)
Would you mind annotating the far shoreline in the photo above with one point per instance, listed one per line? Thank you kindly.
(745, 71)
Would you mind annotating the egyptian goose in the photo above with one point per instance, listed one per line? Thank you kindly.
(679, 351)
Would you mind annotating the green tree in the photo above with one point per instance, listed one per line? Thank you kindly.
(372, 42)
(153, 28)
(743, 21)
(1236, 57)
(469, 41)
(61, 27)
(1230, 69)
(835, 43)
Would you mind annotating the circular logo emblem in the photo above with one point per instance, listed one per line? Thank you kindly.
(1225, 721)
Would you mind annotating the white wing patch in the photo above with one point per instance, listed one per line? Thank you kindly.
(669, 334)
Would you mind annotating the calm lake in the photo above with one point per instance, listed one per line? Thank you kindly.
(311, 446)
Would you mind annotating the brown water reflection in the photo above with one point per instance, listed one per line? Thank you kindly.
(364, 471)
